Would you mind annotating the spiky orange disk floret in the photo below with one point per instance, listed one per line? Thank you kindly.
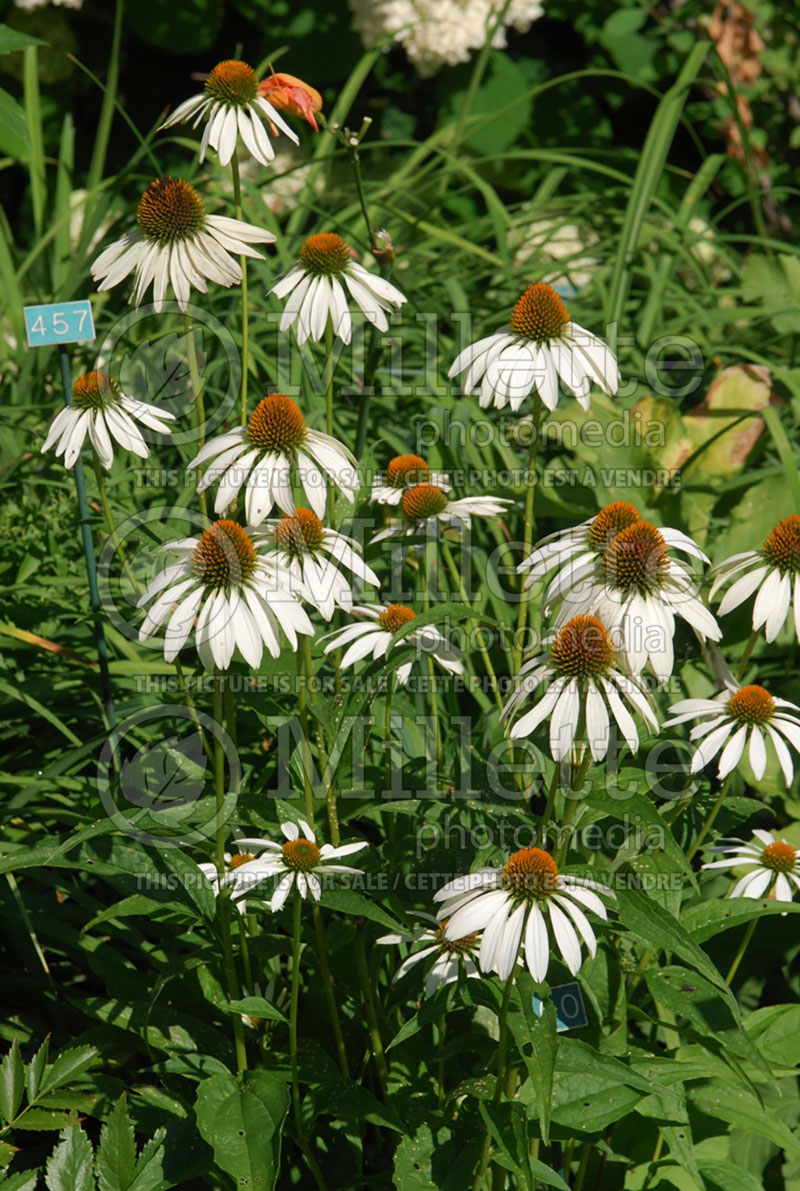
(325, 254)
(241, 858)
(277, 425)
(407, 469)
(609, 522)
(782, 547)
(636, 558)
(95, 390)
(169, 210)
(423, 500)
(301, 854)
(780, 857)
(300, 532)
(395, 616)
(233, 82)
(225, 556)
(582, 648)
(539, 314)
(751, 705)
(530, 873)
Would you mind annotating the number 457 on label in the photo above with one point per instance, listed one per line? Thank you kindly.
(59, 322)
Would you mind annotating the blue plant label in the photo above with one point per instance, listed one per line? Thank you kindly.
(59, 322)
(570, 1009)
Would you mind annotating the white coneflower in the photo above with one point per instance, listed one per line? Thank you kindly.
(452, 956)
(100, 409)
(262, 454)
(636, 588)
(575, 551)
(232, 106)
(425, 506)
(232, 862)
(240, 599)
(178, 243)
(773, 571)
(582, 688)
(513, 907)
(539, 345)
(300, 862)
(321, 285)
(730, 718)
(315, 556)
(375, 635)
(775, 867)
(402, 472)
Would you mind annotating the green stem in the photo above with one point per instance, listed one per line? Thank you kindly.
(305, 748)
(745, 943)
(199, 409)
(586, 1152)
(442, 1028)
(330, 994)
(109, 520)
(484, 652)
(369, 1008)
(571, 804)
(709, 823)
(223, 899)
(355, 161)
(533, 451)
(387, 736)
(328, 380)
(426, 603)
(322, 752)
(745, 658)
(295, 997)
(551, 800)
(237, 200)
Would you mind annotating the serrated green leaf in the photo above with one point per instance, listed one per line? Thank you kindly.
(42, 1119)
(26, 1180)
(116, 1153)
(69, 1167)
(37, 1068)
(66, 1066)
(150, 1164)
(243, 1125)
(12, 1082)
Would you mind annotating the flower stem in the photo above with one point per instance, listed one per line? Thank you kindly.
(369, 1007)
(319, 734)
(441, 1029)
(295, 997)
(745, 658)
(484, 652)
(330, 994)
(426, 603)
(328, 379)
(305, 748)
(387, 736)
(745, 943)
(712, 814)
(571, 804)
(223, 900)
(109, 520)
(533, 450)
(586, 1152)
(237, 200)
(199, 409)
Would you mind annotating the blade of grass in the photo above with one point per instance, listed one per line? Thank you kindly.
(785, 452)
(98, 162)
(61, 241)
(654, 155)
(33, 117)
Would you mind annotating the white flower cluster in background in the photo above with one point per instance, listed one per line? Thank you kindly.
(29, 5)
(437, 33)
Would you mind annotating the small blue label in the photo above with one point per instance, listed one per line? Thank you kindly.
(570, 1009)
(59, 322)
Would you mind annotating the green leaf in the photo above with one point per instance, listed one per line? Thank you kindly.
(12, 1080)
(42, 1119)
(431, 1009)
(656, 927)
(12, 40)
(593, 1090)
(69, 1167)
(137, 903)
(741, 1109)
(347, 901)
(507, 1124)
(243, 1125)
(116, 1154)
(66, 1066)
(150, 1164)
(36, 1069)
(637, 806)
(728, 1177)
(712, 917)
(776, 1031)
(538, 1042)
(26, 1180)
